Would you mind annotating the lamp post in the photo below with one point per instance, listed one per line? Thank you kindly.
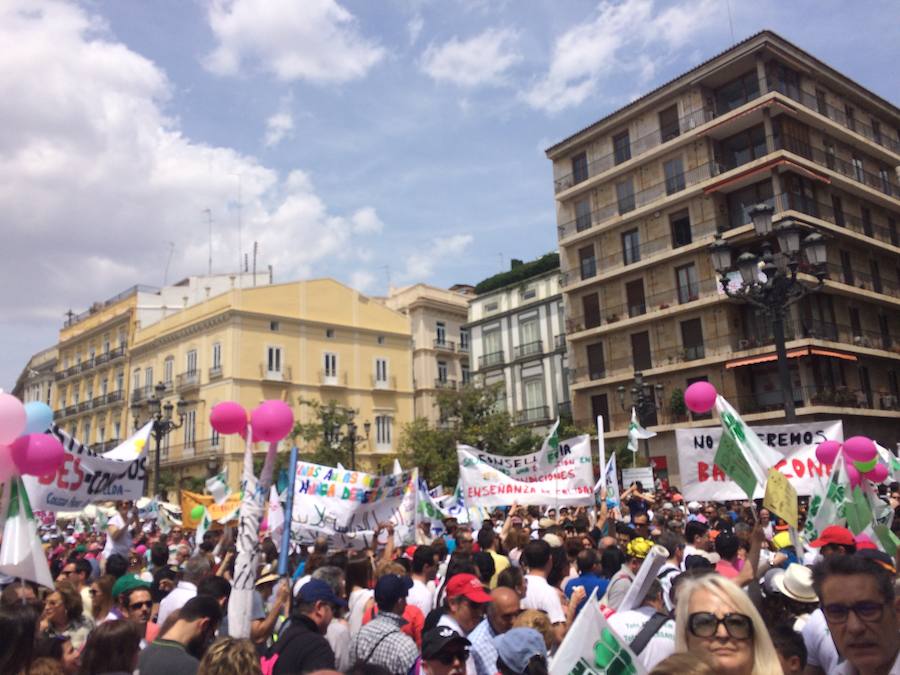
(352, 438)
(645, 398)
(769, 281)
(163, 424)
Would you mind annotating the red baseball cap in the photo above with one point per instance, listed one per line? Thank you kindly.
(468, 586)
(834, 534)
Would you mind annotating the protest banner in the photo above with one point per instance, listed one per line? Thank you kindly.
(781, 497)
(226, 511)
(635, 474)
(702, 479)
(348, 505)
(561, 475)
(84, 477)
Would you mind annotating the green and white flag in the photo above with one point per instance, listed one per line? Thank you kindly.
(636, 432)
(551, 443)
(217, 486)
(741, 455)
(204, 524)
(592, 647)
(21, 554)
(826, 506)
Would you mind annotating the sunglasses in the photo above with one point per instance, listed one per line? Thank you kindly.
(865, 611)
(447, 658)
(706, 625)
(138, 605)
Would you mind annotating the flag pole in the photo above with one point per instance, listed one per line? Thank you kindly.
(288, 511)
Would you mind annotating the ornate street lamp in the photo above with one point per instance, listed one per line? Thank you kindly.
(646, 399)
(163, 423)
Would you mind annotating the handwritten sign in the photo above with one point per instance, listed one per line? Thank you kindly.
(781, 497)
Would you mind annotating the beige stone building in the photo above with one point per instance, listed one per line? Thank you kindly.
(640, 195)
(440, 340)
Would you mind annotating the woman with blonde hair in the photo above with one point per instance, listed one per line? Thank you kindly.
(715, 620)
(538, 620)
(230, 656)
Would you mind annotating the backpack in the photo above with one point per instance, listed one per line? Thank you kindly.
(267, 663)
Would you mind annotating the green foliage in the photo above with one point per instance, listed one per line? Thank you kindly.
(545, 263)
(677, 405)
(470, 417)
(325, 440)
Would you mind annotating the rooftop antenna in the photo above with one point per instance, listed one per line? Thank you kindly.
(246, 262)
(730, 22)
(255, 253)
(501, 260)
(168, 262)
(208, 213)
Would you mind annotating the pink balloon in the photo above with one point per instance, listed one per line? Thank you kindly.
(228, 417)
(853, 475)
(879, 474)
(12, 419)
(700, 397)
(8, 467)
(860, 449)
(37, 454)
(827, 451)
(272, 421)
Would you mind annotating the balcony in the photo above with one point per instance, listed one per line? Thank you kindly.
(463, 348)
(564, 409)
(840, 218)
(115, 397)
(98, 401)
(215, 373)
(70, 410)
(388, 384)
(84, 405)
(332, 378)
(559, 343)
(444, 384)
(188, 380)
(825, 331)
(534, 348)
(141, 394)
(116, 353)
(534, 415)
(100, 359)
(490, 360)
(832, 397)
(444, 345)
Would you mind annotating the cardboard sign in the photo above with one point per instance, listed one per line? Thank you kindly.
(781, 498)
(635, 474)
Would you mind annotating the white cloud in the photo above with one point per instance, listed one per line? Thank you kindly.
(414, 28)
(480, 60)
(316, 40)
(278, 127)
(625, 37)
(95, 178)
(421, 264)
(362, 281)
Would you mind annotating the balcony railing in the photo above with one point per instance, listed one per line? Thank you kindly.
(444, 384)
(539, 413)
(823, 330)
(564, 409)
(215, 372)
(639, 199)
(867, 282)
(833, 397)
(559, 342)
(529, 349)
(388, 383)
(333, 378)
(84, 405)
(489, 360)
(98, 401)
(444, 345)
(840, 218)
(188, 380)
(463, 347)
(70, 410)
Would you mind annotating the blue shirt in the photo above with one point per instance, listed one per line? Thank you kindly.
(590, 582)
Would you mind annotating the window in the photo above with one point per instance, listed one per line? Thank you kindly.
(885, 177)
(821, 103)
(876, 131)
(104, 387)
(892, 230)
(62, 397)
(687, 282)
(743, 147)
(692, 339)
(92, 354)
(674, 176)
(855, 323)
(120, 380)
(491, 338)
(858, 170)
(634, 293)
(273, 359)
(533, 390)
(737, 92)
(148, 377)
(529, 335)
(191, 361)
(122, 338)
(850, 114)
(885, 330)
(274, 326)
(600, 408)
(875, 273)
(741, 200)
(838, 207)
(329, 333)
(640, 351)
(383, 431)
(529, 293)
(680, 225)
(582, 214)
(587, 262)
(190, 428)
(101, 435)
(86, 437)
(217, 355)
(380, 339)
(464, 339)
(830, 153)
(441, 330)
(491, 307)
(106, 343)
(866, 221)
(668, 124)
(625, 195)
(442, 371)
(466, 374)
(381, 369)
(579, 167)
(168, 369)
(590, 304)
(596, 362)
(89, 391)
(330, 364)
(117, 430)
(621, 147)
(215, 439)
(136, 380)
(631, 247)
(847, 267)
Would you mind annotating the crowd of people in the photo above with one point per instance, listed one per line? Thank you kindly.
(735, 595)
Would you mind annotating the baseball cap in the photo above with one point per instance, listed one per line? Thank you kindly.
(127, 582)
(316, 590)
(390, 588)
(434, 640)
(834, 534)
(517, 646)
(468, 586)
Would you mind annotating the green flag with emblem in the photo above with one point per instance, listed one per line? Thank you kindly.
(747, 459)
(21, 554)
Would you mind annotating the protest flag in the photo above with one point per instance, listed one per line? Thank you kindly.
(826, 506)
(636, 432)
(741, 455)
(217, 486)
(21, 554)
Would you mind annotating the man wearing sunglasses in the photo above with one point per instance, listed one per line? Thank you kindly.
(136, 605)
(444, 652)
(859, 604)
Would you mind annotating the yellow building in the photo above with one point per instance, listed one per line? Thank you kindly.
(90, 389)
(313, 339)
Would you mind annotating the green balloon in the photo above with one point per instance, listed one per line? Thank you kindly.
(197, 512)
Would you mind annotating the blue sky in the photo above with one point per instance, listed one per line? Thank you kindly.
(368, 139)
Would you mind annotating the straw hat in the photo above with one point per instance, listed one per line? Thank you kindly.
(796, 584)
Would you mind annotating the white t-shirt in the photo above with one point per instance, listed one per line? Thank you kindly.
(358, 600)
(421, 595)
(176, 599)
(628, 624)
(123, 545)
(820, 649)
(540, 595)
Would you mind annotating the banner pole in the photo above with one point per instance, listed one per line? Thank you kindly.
(288, 512)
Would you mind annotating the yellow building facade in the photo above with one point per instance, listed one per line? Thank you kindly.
(313, 340)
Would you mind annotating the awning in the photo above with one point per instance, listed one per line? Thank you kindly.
(791, 354)
(765, 167)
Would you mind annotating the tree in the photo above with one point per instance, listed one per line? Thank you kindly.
(325, 440)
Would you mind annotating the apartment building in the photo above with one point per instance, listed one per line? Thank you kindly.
(314, 339)
(641, 194)
(516, 325)
(35, 382)
(440, 340)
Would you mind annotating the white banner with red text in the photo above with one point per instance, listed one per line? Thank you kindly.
(562, 475)
(702, 480)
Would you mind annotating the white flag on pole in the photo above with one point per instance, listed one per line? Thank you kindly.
(217, 486)
(636, 432)
(21, 554)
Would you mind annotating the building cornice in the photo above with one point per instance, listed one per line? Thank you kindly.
(516, 310)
